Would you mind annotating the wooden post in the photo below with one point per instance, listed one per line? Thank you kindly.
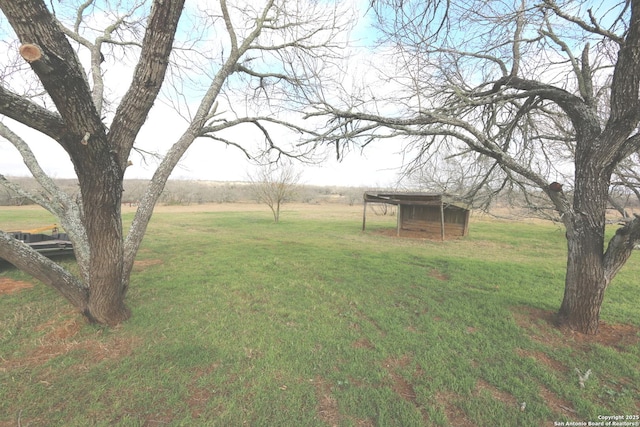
(399, 220)
(442, 221)
(466, 223)
(364, 214)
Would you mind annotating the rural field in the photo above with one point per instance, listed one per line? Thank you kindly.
(312, 322)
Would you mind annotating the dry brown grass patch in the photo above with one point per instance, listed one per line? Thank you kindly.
(542, 326)
(9, 286)
(497, 394)
(199, 396)
(400, 385)
(455, 415)
(327, 407)
(437, 274)
(558, 405)
(139, 265)
(364, 343)
(543, 358)
(62, 337)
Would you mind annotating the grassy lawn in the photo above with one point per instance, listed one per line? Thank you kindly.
(311, 322)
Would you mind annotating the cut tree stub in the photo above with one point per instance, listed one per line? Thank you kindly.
(30, 52)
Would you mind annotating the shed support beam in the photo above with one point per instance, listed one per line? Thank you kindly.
(364, 215)
(442, 221)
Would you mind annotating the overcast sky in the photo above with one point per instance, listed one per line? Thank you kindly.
(377, 166)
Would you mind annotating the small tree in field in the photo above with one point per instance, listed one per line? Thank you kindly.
(275, 184)
(221, 64)
(526, 93)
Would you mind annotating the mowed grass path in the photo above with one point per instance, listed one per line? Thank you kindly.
(311, 322)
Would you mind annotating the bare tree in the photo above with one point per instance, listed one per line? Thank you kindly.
(545, 92)
(274, 184)
(230, 65)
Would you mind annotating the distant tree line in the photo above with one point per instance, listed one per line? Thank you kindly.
(193, 192)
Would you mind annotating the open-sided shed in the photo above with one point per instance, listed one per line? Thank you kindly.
(435, 216)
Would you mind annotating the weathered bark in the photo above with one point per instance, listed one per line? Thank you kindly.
(102, 194)
(585, 280)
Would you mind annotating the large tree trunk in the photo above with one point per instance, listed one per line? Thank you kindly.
(586, 279)
(102, 196)
(589, 272)
(585, 283)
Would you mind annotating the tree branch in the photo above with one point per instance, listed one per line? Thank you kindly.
(59, 203)
(594, 28)
(147, 78)
(621, 246)
(625, 84)
(43, 269)
(31, 114)
(57, 66)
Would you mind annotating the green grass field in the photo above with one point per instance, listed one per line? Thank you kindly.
(311, 322)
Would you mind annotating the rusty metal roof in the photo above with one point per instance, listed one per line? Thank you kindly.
(414, 198)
